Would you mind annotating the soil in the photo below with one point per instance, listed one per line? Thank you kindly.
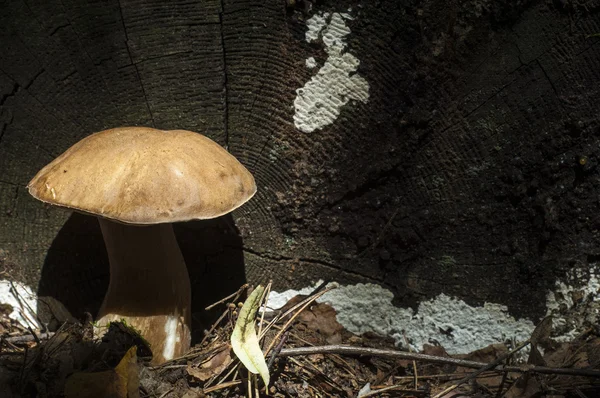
(71, 363)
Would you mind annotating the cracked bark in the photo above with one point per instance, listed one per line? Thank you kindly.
(135, 65)
(467, 137)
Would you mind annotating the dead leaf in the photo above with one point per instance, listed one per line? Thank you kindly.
(435, 350)
(194, 393)
(244, 340)
(322, 319)
(541, 333)
(487, 354)
(214, 364)
(526, 386)
(120, 382)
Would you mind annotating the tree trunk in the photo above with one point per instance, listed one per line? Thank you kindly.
(464, 161)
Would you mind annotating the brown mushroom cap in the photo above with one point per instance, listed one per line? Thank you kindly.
(140, 175)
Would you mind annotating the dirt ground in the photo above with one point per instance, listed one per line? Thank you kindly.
(334, 363)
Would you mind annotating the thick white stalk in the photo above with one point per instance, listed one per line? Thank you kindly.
(149, 286)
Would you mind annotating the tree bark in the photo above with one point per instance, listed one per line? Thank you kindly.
(470, 170)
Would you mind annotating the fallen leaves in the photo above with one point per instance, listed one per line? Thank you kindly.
(93, 368)
(319, 318)
(120, 382)
(217, 360)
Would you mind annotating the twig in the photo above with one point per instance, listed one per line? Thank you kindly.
(249, 387)
(301, 308)
(255, 383)
(309, 367)
(28, 338)
(449, 376)
(416, 376)
(398, 389)
(487, 367)
(278, 349)
(309, 299)
(24, 307)
(236, 295)
(221, 386)
(502, 382)
(349, 350)
(166, 393)
(34, 335)
(233, 370)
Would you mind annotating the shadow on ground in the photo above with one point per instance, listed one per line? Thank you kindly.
(76, 272)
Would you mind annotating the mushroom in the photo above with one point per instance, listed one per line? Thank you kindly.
(138, 181)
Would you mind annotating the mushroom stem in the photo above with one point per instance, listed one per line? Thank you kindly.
(149, 286)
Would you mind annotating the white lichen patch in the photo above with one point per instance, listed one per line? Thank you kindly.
(23, 302)
(315, 25)
(319, 102)
(575, 302)
(311, 63)
(457, 326)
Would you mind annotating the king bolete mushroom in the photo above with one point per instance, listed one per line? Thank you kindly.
(138, 181)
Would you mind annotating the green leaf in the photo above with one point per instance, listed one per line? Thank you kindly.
(244, 340)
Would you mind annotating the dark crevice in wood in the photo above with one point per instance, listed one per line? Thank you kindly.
(256, 96)
(67, 77)
(225, 73)
(58, 28)
(13, 211)
(141, 61)
(9, 183)
(279, 257)
(262, 150)
(3, 99)
(367, 186)
(33, 79)
(550, 82)
(12, 93)
(2, 130)
(137, 71)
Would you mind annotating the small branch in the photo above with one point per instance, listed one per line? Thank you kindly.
(300, 306)
(221, 386)
(397, 389)
(481, 370)
(233, 296)
(348, 350)
(29, 338)
(278, 349)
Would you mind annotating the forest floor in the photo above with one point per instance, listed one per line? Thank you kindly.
(309, 355)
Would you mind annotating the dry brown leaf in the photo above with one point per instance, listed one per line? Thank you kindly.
(567, 355)
(212, 365)
(535, 357)
(487, 354)
(593, 351)
(120, 382)
(526, 386)
(319, 317)
(194, 393)
(435, 350)
(542, 332)
(540, 337)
